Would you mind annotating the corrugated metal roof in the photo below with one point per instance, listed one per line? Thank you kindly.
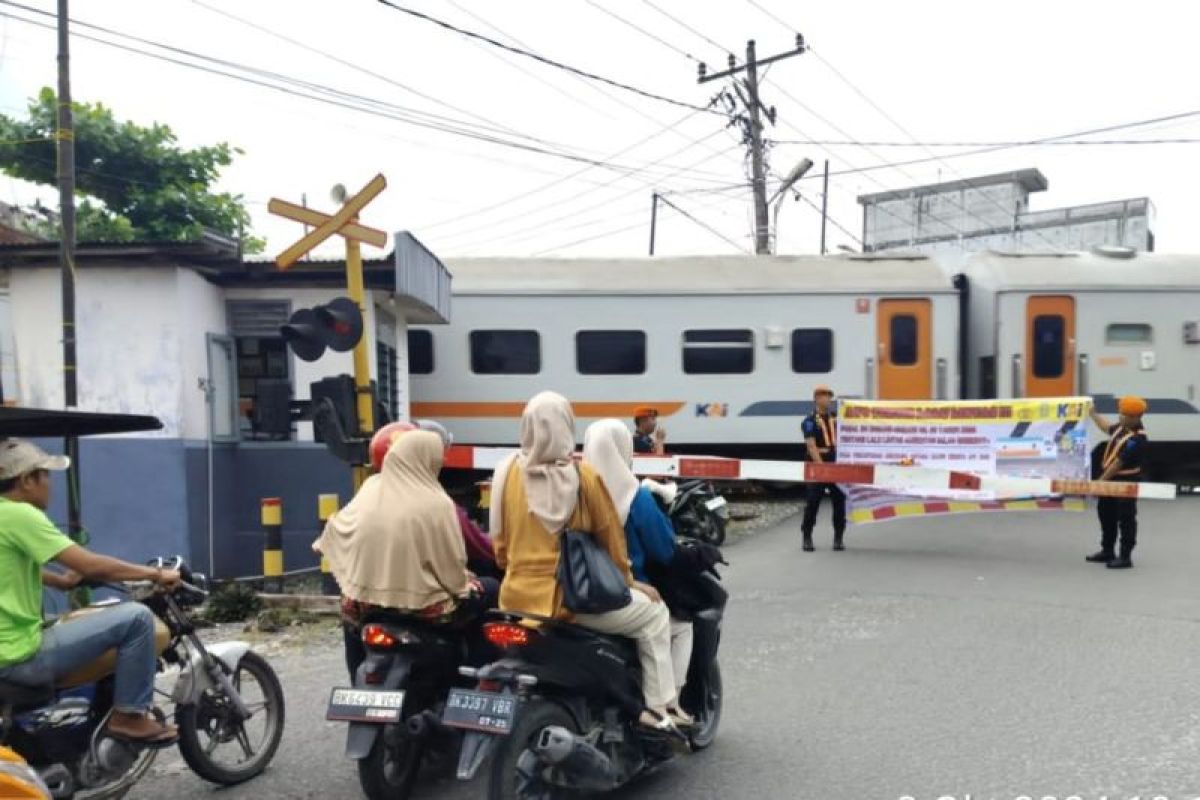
(698, 275)
(1032, 179)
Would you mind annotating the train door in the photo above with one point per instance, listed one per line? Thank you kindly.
(1049, 346)
(905, 336)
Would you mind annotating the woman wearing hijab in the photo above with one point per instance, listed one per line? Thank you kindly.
(398, 546)
(649, 535)
(536, 494)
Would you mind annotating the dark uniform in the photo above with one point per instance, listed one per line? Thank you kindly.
(1118, 514)
(643, 443)
(822, 428)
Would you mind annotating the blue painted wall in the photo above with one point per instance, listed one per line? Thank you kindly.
(148, 497)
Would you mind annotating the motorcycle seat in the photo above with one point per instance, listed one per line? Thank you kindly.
(625, 646)
(21, 697)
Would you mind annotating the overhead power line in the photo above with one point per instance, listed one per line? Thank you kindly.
(318, 92)
(642, 30)
(687, 27)
(704, 225)
(543, 59)
(1012, 144)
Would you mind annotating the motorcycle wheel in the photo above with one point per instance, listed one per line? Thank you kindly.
(505, 781)
(389, 773)
(711, 527)
(705, 706)
(207, 725)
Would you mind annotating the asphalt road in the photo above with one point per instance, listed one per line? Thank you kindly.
(973, 656)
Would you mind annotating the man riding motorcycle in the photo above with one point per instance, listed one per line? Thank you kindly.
(29, 654)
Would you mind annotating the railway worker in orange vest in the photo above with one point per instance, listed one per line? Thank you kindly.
(648, 436)
(820, 442)
(1120, 460)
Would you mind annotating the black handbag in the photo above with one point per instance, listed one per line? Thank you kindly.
(590, 581)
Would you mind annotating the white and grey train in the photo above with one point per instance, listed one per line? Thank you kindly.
(730, 348)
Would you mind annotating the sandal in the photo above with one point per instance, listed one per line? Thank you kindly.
(665, 727)
(681, 718)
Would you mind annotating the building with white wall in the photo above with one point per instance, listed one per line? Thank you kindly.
(185, 332)
(991, 212)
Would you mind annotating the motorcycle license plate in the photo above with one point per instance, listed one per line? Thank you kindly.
(718, 505)
(480, 711)
(365, 705)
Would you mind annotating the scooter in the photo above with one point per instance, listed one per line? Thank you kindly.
(559, 712)
(698, 512)
(227, 699)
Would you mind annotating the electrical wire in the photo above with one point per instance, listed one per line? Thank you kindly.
(642, 30)
(704, 225)
(687, 27)
(319, 93)
(997, 145)
(543, 59)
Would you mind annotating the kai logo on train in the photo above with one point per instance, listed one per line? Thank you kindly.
(712, 409)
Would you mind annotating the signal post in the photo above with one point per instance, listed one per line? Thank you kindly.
(344, 223)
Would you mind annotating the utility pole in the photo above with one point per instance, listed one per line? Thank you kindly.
(824, 205)
(653, 219)
(66, 257)
(751, 119)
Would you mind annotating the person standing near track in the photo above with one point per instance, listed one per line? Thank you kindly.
(820, 443)
(1121, 460)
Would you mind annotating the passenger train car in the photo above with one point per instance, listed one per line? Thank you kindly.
(730, 348)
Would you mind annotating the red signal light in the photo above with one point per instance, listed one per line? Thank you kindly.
(507, 634)
(377, 636)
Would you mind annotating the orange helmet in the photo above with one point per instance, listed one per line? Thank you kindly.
(381, 442)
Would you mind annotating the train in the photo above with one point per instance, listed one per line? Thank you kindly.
(729, 348)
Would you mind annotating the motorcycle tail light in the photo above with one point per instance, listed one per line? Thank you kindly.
(489, 686)
(507, 634)
(378, 636)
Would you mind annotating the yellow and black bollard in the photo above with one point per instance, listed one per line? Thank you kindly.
(327, 506)
(272, 522)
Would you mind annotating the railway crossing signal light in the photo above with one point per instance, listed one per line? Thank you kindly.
(337, 325)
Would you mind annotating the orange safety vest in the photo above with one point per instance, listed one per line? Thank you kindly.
(827, 432)
(1113, 451)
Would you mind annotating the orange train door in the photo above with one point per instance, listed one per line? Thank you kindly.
(1049, 346)
(905, 336)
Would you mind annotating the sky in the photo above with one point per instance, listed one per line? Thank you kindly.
(877, 71)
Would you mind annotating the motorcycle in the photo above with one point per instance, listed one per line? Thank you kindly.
(559, 712)
(394, 707)
(225, 695)
(698, 512)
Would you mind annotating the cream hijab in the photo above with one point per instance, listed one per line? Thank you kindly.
(545, 460)
(397, 543)
(608, 449)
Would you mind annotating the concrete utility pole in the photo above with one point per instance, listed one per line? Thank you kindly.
(66, 258)
(752, 124)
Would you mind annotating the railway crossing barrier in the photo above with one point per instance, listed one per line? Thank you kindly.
(327, 506)
(896, 477)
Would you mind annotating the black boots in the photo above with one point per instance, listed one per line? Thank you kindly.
(1123, 561)
(837, 541)
(838, 544)
(808, 545)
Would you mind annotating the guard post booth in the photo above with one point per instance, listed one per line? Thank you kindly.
(190, 333)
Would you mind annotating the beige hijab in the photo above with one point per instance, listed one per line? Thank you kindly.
(397, 543)
(608, 449)
(545, 461)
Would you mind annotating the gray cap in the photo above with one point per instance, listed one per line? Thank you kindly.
(19, 457)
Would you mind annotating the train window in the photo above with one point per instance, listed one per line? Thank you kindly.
(506, 352)
(718, 352)
(1049, 345)
(903, 340)
(812, 350)
(420, 352)
(1129, 333)
(610, 352)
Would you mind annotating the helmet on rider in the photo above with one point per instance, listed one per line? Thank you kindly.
(436, 427)
(381, 442)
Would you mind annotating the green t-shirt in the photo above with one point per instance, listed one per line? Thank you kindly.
(28, 539)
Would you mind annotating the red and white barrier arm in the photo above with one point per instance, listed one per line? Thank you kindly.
(897, 477)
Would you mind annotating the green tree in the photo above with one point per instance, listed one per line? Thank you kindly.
(143, 184)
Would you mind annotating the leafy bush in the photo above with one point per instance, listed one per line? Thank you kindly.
(233, 602)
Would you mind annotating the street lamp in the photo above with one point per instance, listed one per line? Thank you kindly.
(796, 174)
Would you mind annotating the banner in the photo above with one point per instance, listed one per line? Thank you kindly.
(1035, 438)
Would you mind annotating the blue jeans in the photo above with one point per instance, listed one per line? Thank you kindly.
(67, 646)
